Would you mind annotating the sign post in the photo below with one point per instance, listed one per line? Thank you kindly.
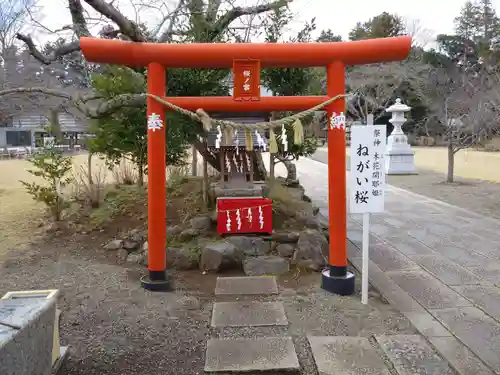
(367, 180)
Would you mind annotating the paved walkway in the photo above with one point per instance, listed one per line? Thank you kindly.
(276, 332)
(438, 264)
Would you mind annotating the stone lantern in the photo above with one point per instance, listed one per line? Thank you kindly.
(399, 157)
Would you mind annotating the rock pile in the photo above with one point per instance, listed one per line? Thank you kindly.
(196, 246)
(272, 255)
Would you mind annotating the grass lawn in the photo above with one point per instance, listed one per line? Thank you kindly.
(472, 164)
(20, 215)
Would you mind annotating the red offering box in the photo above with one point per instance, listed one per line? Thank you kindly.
(251, 212)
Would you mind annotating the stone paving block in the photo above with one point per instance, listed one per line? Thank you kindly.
(488, 249)
(248, 313)
(394, 222)
(486, 297)
(408, 245)
(355, 235)
(340, 355)
(410, 355)
(490, 272)
(459, 356)
(428, 291)
(488, 231)
(427, 325)
(245, 355)
(353, 251)
(425, 236)
(381, 230)
(462, 256)
(246, 285)
(439, 228)
(387, 258)
(479, 332)
(396, 296)
(447, 271)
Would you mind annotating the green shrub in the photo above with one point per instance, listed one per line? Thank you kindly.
(54, 168)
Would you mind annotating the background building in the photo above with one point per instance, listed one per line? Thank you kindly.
(29, 129)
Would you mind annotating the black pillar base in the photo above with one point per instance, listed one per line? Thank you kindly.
(341, 285)
(157, 281)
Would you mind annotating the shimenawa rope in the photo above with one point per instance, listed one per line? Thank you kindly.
(229, 126)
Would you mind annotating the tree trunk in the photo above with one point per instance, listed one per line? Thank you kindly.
(205, 183)
(451, 163)
(89, 169)
(259, 168)
(55, 125)
(194, 161)
(291, 169)
(271, 166)
(140, 171)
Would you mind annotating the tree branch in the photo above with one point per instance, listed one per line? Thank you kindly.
(79, 23)
(81, 102)
(51, 57)
(79, 27)
(231, 15)
(166, 36)
(127, 27)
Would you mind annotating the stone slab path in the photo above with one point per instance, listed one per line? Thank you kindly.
(436, 263)
(284, 346)
(230, 354)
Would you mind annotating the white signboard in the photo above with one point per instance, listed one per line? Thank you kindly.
(367, 178)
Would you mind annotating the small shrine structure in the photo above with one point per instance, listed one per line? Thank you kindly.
(236, 155)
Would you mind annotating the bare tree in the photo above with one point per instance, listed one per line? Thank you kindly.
(375, 86)
(464, 108)
(421, 36)
(13, 17)
(31, 85)
(210, 21)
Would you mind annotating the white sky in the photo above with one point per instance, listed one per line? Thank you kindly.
(434, 16)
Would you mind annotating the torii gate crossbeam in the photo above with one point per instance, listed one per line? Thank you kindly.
(333, 56)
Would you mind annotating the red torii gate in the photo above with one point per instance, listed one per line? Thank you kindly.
(334, 56)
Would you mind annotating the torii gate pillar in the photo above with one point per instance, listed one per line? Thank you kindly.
(334, 56)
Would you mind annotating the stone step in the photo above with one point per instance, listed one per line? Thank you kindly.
(248, 314)
(270, 354)
(246, 285)
(410, 355)
(478, 331)
(427, 290)
(342, 355)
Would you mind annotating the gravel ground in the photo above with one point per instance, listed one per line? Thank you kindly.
(478, 196)
(114, 327)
